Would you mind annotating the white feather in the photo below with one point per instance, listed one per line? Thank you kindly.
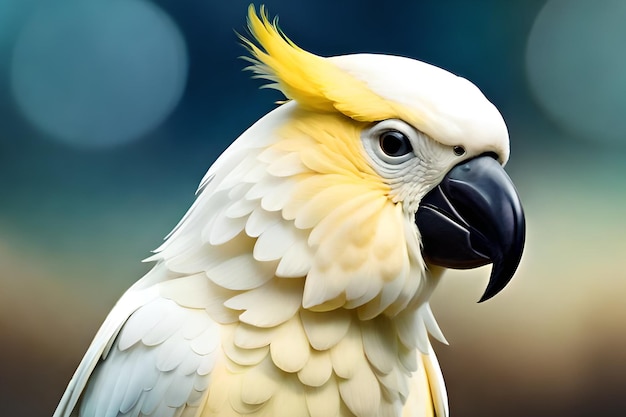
(260, 188)
(241, 272)
(274, 242)
(296, 261)
(277, 193)
(405, 325)
(260, 220)
(431, 324)
(437, 385)
(240, 208)
(198, 292)
(179, 392)
(170, 355)
(224, 229)
(170, 320)
(141, 322)
(133, 376)
(270, 305)
(258, 173)
(325, 329)
(150, 403)
(233, 178)
(287, 166)
(318, 369)
(361, 392)
(206, 366)
(380, 344)
(290, 348)
(246, 357)
(394, 384)
(138, 295)
(140, 375)
(260, 383)
(347, 354)
(271, 154)
(206, 342)
(407, 357)
(323, 401)
(251, 337)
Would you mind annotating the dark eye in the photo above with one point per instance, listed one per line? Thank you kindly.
(458, 150)
(395, 143)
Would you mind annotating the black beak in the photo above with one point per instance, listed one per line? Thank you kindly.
(474, 217)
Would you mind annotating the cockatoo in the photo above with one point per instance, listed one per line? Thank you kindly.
(298, 282)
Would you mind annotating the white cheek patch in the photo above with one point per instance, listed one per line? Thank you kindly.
(410, 176)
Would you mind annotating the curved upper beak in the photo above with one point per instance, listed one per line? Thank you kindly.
(474, 217)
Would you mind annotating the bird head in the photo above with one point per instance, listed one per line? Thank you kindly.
(377, 173)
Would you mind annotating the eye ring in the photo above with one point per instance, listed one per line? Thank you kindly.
(394, 143)
(458, 150)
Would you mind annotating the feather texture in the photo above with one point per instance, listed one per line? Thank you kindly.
(317, 370)
(133, 378)
(296, 302)
(269, 305)
(293, 286)
(325, 329)
(323, 401)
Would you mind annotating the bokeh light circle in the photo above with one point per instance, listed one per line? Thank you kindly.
(12, 15)
(95, 73)
(576, 66)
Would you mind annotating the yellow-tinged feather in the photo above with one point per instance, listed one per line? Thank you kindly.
(287, 166)
(278, 193)
(435, 383)
(344, 226)
(311, 80)
(317, 370)
(290, 348)
(290, 400)
(270, 305)
(380, 344)
(241, 272)
(407, 357)
(260, 383)
(251, 337)
(323, 401)
(310, 187)
(420, 400)
(325, 329)
(235, 397)
(327, 200)
(245, 357)
(218, 393)
(197, 291)
(320, 137)
(361, 392)
(296, 262)
(348, 353)
(395, 384)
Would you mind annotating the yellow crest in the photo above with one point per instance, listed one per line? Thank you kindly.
(313, 81)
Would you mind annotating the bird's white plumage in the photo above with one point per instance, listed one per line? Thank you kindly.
(217, 309)
(295, 284)
(448, 108)
(155, 367)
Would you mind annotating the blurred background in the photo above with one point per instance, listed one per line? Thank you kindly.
(112, 110)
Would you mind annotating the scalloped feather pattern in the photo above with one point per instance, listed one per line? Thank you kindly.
(293, 281)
